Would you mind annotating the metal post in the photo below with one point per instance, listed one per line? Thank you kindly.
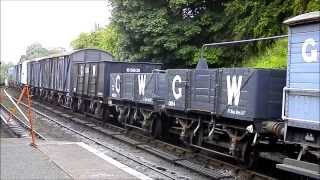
(30, 115)
(239, 42)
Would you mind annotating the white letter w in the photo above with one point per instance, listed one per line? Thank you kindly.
(233, 89)
(141, 83)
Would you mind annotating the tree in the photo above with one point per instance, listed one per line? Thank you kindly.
(3, 71)
(36, 50)
(23, 58)
(106, 38)
(173, 31)
(165, 31)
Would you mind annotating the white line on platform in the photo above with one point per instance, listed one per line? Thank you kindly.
(115, 163)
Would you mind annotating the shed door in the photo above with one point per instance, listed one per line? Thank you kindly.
(93, 79)
(80, 78)
(203, 90)
(86, 79)
(303, 81)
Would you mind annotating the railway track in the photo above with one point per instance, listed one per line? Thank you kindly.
(200, 163)
(19, 127)
(102, 145)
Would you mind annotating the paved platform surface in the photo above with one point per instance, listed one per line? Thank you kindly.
(59, 160)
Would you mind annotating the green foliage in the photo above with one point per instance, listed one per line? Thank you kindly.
(3, 71)
(173, 31)
(104, 38)
(273, 57)
(34, 50)
(166, 31)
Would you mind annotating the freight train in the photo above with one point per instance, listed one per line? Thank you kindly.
(78, 80)
(241, 113)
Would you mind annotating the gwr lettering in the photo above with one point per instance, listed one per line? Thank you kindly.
(141, 83)
(176, 95)
(313, 56)
(233, 90)
(118, 84)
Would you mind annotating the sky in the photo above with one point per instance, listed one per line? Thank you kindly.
(51, 23)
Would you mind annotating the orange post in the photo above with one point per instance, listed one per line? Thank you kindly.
(13, 111)
(30, 114)
(26, 92)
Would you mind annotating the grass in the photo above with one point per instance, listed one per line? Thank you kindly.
(273, 57)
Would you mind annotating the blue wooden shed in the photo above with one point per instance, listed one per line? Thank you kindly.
(301, 100)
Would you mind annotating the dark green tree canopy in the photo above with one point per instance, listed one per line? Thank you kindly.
(172, 31)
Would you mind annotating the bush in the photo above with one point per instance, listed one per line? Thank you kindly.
(273, 57)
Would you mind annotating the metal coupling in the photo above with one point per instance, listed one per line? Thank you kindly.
(275, 128)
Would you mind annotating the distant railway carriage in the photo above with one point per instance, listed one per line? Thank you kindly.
(12, 76)
(77, 79)
(24, 72)
(50, 77)
(92, 81)
(33, 73)
(93, 78)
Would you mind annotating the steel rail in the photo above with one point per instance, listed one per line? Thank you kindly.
(25, 125)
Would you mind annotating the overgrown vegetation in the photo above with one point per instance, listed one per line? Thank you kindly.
(173, 31)
(273, 57)
(3, 71)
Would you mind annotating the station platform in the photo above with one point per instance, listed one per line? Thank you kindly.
(59, 160)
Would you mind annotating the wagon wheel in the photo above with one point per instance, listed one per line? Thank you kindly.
(106, 114)
(80, 107)
(156, 127)
(249, 155)
(74, 105)
(55, 100)
(62, 101)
